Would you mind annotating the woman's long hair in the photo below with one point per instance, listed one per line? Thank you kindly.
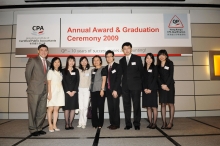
(80, 65)
(152, 57)
(162, 52)
(67, 63)
(52, 62)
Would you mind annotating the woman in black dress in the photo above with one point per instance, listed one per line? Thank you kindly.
(70, 86)
(97, 89)
(149, 99)
(166, 89)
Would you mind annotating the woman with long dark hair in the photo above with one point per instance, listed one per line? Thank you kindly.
(149, 99)
(84, 93)
(166, 89)
(55, 93)
(70, 86)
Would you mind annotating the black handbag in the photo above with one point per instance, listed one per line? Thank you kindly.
(89, 113)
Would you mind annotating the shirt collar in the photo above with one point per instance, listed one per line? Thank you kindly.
(110, 64)
(41, 57)
(128, 56)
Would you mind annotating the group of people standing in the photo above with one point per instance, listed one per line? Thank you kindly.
(71, 88)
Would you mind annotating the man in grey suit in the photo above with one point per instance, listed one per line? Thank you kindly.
(36, 78)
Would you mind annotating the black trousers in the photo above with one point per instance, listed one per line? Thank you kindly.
(135, 96)
(113, 108)
(98, 102)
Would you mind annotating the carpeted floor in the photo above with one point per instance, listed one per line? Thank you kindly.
(198, 131)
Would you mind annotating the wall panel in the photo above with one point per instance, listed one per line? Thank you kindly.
(184, 88)
(18, 90)
(5, 45)
(183, 72)
(205, 44)
(18, 105)
(4, 60)
(18, 62)
(17, 75)
(201, 58)
(4, 89)
(3, 105)
(201, 73)
(184, 103)
(6, 18)
(6, 31)
(207, 102)
(205, 30)
(207, 87)
(205, 16)
(4, 74)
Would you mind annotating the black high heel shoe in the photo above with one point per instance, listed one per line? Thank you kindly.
(150, 125)
(67, 127)
(164, 126)
(170, 126)
(153, 126)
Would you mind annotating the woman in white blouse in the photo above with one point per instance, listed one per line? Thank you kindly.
(84, 93)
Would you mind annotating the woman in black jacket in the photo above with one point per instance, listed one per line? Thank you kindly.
(70, 87)
(166, 87)
(149, 99)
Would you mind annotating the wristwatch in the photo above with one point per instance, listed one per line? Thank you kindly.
(102, 89)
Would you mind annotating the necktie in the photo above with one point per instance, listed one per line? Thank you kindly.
(44, 65)
(127, 59)
(109, 72)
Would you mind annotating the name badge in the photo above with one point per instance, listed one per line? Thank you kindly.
(93, 72)
(149, 70)
(114, 71)
(133, 63)
(166, 67)
(87, 74)
(73, 73)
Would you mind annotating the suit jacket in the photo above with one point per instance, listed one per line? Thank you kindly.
(115, 77)
(166, 74)
(150, 77)
(35, 76)
(132, 73)
(70, 82)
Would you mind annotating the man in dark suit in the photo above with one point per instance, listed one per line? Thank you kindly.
(113, 91)
(132, 70)
(36, 78)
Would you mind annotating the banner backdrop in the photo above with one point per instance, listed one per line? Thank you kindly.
(89, 34)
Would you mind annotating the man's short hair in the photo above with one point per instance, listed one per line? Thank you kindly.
(127, 44)
(109, 51)
(42, 45)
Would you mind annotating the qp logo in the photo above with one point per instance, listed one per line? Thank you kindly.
(37, 30)
(175, 22)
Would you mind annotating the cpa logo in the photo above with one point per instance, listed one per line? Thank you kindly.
(37, 30)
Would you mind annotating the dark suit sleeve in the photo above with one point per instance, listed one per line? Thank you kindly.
(171, 70)
(158, 76)
(77, 81)
(154, 81)
(65, 87)
(118, 77)
(144, 82)
(140, 66)
(29, 69)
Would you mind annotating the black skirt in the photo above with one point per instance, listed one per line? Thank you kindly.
(150, 100)
(167, 96)
(71, 103)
